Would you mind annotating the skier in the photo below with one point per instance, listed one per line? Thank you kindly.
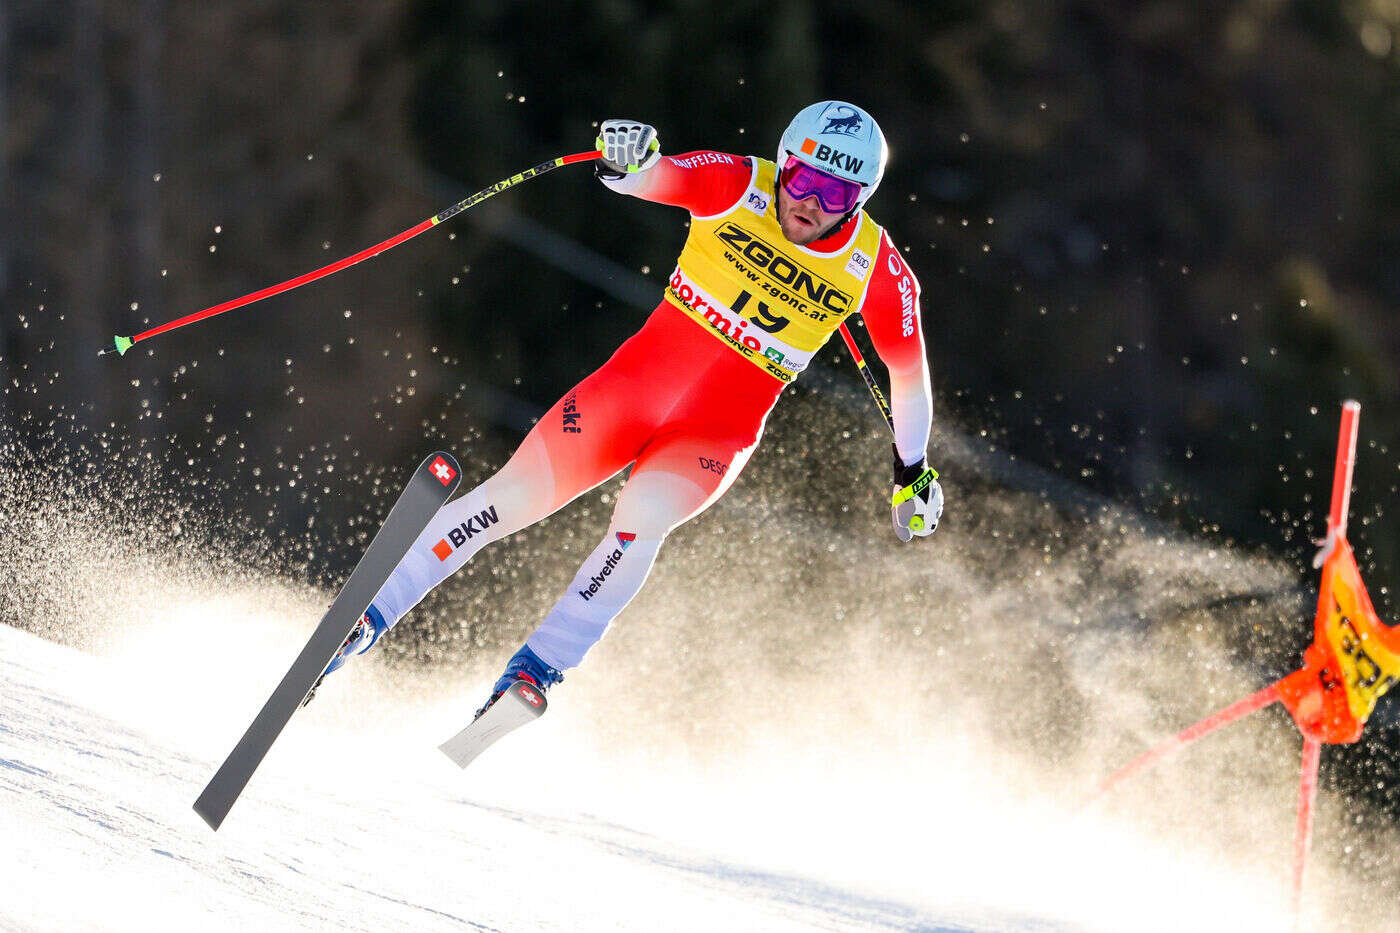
(777, 256)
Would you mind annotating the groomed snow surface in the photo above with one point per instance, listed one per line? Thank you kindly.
(357, 822)
(339, 832)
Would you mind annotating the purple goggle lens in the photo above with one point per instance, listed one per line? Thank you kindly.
(801, 181)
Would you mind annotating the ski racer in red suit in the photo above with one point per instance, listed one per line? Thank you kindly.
(778, 255)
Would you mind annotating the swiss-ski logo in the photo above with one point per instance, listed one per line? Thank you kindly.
(571, 415)
(443, 471)
(529, 696)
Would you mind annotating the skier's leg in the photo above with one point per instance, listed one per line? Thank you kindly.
(711, 425)
(519, 494)
(590, 434)
(677, 477)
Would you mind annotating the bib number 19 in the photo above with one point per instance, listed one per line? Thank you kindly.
(764, 318)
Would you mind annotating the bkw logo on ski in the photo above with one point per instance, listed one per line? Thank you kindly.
(474, 525)
(596, 581)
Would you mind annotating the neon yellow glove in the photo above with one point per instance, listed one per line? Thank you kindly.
(917, 502)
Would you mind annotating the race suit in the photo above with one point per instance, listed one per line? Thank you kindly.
(684, 400)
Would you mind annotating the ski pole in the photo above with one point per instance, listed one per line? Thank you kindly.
(1341, 482)
(1302, 832)
(121, 344)
(869, 377)
(1250, 704)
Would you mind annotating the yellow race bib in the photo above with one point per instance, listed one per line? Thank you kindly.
(771, 301)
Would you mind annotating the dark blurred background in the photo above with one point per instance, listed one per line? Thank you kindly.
(1156, 240)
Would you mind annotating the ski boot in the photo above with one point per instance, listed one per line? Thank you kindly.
(526, 666)
(361, 638)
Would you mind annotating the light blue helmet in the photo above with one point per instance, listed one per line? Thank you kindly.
(841, 139)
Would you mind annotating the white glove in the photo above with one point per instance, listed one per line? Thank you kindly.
(917, 503)
(628, 147)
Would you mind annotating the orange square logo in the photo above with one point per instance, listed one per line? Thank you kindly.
(442, 549)
(809, 146)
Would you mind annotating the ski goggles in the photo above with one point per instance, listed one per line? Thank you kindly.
(801, 181)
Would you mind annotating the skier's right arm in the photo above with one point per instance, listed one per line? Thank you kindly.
(891, 313)
(704, 183)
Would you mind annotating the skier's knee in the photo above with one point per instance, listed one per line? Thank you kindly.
(654, 502)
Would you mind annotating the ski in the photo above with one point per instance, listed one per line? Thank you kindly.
(429, 488)
(520, 704)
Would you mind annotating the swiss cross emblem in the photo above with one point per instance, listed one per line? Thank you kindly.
(443, 471)
(530, 696)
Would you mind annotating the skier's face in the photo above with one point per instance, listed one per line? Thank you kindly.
(803, 221)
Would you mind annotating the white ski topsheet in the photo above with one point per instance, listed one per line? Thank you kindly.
(519, 705)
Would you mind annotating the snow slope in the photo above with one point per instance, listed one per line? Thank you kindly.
(99, 834)
(358, 823)
(854, 772)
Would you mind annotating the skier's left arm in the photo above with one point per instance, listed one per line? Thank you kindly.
(891, 313)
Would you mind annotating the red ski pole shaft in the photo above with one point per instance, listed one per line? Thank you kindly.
(1302, 833)
(1346, 464)
(121, 344)
(1341, 480)
(1253, 702)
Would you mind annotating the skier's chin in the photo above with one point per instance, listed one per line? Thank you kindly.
(800, 230)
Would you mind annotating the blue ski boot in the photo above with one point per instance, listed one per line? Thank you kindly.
(361, 638)
(527, 666)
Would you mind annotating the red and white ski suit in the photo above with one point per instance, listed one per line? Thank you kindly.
(677, 402)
